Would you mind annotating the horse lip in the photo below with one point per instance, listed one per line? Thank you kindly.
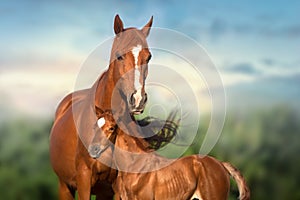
(137, 112)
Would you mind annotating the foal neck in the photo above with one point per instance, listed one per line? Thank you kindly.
(130, 143)
(128, 155)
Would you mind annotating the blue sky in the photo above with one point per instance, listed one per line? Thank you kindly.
(254, 44)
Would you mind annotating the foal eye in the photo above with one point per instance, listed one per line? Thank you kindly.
(111, 129)
(119, 56)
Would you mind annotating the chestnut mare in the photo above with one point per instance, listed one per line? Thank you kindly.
(190, 177)
(120, 88)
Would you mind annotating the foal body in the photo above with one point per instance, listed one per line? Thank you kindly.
(141, 175)
(190, 177)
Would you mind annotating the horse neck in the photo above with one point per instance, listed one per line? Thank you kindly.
(103, 90)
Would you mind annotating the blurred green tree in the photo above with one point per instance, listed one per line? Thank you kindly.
(25, 171)
(263, 144)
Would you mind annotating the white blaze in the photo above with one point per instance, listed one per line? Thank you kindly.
(137, 74)
(197, 195)
(101, 122)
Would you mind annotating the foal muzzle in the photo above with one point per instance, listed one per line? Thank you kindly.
(95, 150)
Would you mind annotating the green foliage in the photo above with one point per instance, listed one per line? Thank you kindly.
(263, 145)
(25, 171)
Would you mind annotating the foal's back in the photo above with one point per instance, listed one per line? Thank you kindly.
(213, 178)
(193, 176)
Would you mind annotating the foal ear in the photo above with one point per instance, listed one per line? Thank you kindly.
(118, 25)
(147, 27)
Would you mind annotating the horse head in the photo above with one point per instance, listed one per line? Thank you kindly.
(129, 64)
(103, 134)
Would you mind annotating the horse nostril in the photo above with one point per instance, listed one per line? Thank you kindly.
(132, 100)
(96, 149)
(145, 98)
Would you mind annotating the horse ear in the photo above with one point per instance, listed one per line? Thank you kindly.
(118, 25)
(147, 27)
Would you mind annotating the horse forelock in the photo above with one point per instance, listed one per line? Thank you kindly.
(126, 40)
(135, 35)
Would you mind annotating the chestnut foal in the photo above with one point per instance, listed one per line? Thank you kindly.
(190, 177)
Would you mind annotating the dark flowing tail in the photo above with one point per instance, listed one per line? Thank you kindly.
(240, 180)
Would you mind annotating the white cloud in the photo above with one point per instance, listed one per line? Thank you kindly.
(35, 92)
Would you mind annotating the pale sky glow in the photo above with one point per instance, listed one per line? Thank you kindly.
(254, 44)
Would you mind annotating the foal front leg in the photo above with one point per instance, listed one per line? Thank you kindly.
(119, 189)
(84, 184)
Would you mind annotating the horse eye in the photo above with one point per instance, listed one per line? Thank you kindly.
(111, 129)
(119, 57)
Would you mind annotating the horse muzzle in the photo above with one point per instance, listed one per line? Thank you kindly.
(137, 102)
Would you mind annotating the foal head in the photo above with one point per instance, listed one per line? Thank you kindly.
(129, 63)
(106, 132)
(104, 135)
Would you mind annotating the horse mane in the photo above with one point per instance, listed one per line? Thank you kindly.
(160, 132)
